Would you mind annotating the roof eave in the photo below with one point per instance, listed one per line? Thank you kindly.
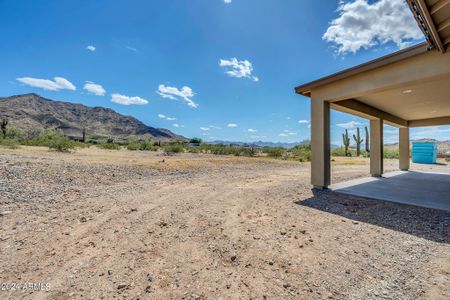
(305, 89)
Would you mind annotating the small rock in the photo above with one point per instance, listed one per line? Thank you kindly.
(233, 257)
(4, 213)
(122, 286)
(83, 220)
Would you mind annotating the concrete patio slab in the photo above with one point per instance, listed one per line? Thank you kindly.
(424, 189)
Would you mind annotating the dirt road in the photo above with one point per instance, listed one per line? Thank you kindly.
(132, 225)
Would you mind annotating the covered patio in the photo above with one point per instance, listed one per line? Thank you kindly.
(409, 88)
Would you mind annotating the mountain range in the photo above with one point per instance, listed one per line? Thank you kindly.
(33, 112)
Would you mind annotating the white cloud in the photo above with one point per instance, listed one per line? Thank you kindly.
(238, 68)
(252, 130)
(58, 83)
(204, 128)
(287, 132)
(162, 116)
(362, 25)
(303, 122)
(91, 48)
(227, 1)
(132, 49)
(127, 100)
(258, 136)
(174, 93)
(431, 132)
(232, 125)
(94, 88)
(349, 125)
(175, 125)
(214, 127)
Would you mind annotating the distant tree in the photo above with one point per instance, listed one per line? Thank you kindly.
(3, 126)
(346, 141)
(358, 141)
(196, 141)
(367, 140)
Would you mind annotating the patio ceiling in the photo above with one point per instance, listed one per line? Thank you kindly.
(433, 17)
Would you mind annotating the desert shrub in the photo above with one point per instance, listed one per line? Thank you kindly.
(147, 145)
(302, 152)
(133, 146)
(275, 152)
(108, 146)
(61, 143)
(339, 151)
(391, 153)
(9, 143)
(194, 150)
(173, 148)
(13, 133)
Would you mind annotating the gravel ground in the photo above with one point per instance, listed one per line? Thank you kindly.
(99, 224)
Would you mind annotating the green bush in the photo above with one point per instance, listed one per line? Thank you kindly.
(147, 145)
(275, 152)
(61, 143)
(302, 152)
(8, 143)
(339, 151)
(133, 146)
(173, 148)
(108, 146)
(13, 133)
(391, 153)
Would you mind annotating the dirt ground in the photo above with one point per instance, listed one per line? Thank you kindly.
(98, 224)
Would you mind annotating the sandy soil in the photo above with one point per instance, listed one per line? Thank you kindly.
(100, 224)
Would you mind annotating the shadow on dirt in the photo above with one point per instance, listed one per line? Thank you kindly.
(426, 223)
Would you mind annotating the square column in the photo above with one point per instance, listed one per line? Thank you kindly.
(376, 147)
(320, 143)
(404, 148)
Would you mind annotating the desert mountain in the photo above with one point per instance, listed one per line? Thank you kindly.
(31, 111)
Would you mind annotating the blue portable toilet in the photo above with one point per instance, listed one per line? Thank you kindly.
(424, 152)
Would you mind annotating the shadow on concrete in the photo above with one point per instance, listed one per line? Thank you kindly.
(427, 223)
(431, 190)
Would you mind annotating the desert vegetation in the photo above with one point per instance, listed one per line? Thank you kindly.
(13, 137)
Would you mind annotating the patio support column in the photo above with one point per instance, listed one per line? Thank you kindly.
(404, 148)
(376, 147)
(320, 143)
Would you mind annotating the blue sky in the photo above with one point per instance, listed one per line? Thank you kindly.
(215, 69)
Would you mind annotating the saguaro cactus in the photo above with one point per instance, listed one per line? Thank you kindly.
(346, 141)
(3, 125)
(367, 140)
(358, 141)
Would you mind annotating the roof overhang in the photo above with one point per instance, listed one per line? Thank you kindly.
(433, 17)
(305, 89)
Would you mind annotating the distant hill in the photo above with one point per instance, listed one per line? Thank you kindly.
(262, 144)
(443, 146)
(31, 111)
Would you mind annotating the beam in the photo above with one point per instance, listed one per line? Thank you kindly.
(370, 111)
(438, 6)
(447, 40)
(430, 122)
(430, 24)
(443, 25)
